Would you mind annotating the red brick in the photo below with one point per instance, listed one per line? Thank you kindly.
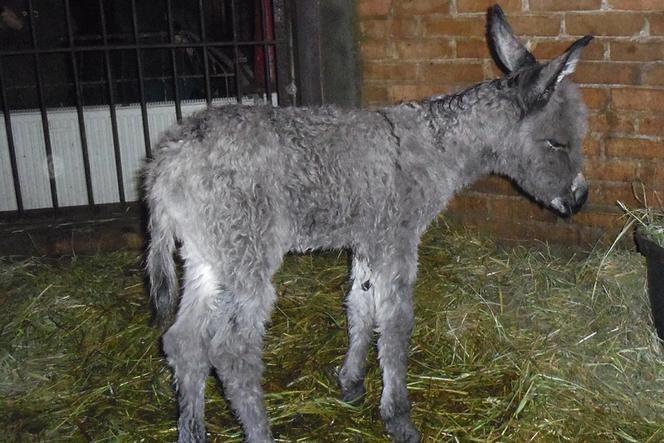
(401, 93)
(621, 122)
(595, 98)
(610, 220)
(483, 5)
(638, 99)
(564, 5)
(637, 5)
(607, 196)
(372, 94)
(592, 147)
(419, 7)
(623, 73)
(425, 49)
(540, 25)
(384, 28)
(517, 208)
(636, 51)
(613, 123)
(651, 173)
(656, 24)
(495, 185)
(450, 88)
(598, 123)
(389, 71)
(565, 233)
(403, 28)
(469, 204)
(550, 48)
(374, 49)
(611, 170)
(376, 29)
(448, 26)
(605, 23)
(472, 48)
(513, 230)
(653, 75)
(452, 73)
(368, 8)
(410, 50)
(634, 148)
(652, 125)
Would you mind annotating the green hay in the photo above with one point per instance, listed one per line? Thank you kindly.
(517, 344)
(648, 219)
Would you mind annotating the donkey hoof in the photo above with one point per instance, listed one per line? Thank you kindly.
(353, 392)
(402, 429)
(194, 435)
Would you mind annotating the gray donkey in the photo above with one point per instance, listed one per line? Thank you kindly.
(239, 187)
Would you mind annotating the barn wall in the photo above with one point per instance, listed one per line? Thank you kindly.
(414, 48)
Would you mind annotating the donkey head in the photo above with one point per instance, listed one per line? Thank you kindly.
(543, 152)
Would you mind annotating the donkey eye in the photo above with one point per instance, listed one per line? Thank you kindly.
(556, 145)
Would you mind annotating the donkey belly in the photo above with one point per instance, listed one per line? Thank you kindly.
(321, 230)
(336, 214)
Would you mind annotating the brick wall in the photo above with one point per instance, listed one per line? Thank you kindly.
(414, 48)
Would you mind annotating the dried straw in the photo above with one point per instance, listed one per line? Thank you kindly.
(510, 345)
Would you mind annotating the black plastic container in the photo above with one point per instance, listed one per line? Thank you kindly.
(654, 254)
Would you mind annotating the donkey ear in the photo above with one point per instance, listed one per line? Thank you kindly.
(507, 50)
(557, 69)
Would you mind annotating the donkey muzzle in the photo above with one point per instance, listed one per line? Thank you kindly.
(577, 196)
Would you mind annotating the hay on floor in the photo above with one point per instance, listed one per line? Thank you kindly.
(517, 344)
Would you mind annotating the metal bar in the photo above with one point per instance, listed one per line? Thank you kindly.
(308, 51)
(206, 64)
(141, 85)
(236, 51)
(10, 142)
(268, 52)
(286, 91)
(103, 82)
(42, 109)
(174, 65)
(111, 105)
(214, 44)
(79, 109)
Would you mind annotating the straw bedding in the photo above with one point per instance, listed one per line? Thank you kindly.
(510, 344)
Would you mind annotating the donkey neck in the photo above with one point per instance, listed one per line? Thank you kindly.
(470, 127)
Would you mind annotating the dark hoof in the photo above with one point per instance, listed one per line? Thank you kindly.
(192, 432)
(353, 392)
(402, 430)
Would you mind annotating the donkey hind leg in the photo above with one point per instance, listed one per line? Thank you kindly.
(395, 318)
(236, 353)
(360, 312)
(185, 346)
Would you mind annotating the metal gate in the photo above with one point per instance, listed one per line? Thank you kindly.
(86, 86)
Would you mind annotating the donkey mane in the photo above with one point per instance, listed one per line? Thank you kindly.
(454, 101)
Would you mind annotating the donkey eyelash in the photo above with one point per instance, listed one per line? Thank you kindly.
(555, 145)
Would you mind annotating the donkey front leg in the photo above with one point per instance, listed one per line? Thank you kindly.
(360, 312)
(395, 318)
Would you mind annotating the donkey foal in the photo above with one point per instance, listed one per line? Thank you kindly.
(239, 187)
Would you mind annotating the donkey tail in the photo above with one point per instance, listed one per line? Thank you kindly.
(161, 265)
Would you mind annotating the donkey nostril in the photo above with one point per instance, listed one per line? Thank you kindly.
(580, 198)
(561, 206)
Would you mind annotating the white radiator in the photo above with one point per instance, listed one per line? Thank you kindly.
(68, 169)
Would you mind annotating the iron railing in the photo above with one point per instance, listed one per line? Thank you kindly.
(273, 75)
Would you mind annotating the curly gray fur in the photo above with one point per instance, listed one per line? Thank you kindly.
(239, 187)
